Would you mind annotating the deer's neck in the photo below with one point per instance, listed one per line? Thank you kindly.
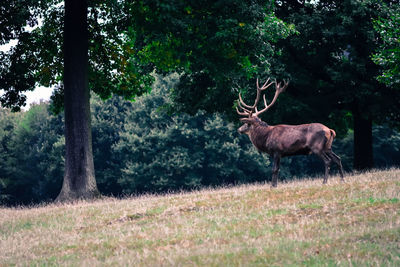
(259, 136)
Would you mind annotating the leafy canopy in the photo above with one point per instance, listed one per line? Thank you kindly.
(215, 45)
(330, 62)
(37, 59)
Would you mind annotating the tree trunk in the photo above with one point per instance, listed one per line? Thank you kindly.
(363, 154)
(79, 180)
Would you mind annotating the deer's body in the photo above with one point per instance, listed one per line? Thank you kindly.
(287, 140)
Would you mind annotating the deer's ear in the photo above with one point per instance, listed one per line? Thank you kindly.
(246, 120)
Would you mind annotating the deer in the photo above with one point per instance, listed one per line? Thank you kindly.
(285, 140)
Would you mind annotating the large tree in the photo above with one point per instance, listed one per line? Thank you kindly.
(64, 50)
(332, 71)
(112, 46)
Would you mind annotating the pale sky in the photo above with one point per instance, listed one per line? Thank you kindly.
(40, 93)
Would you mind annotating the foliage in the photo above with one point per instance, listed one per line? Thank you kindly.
(108, 122)
(329, 60)
(159, 152)
(387, 142)
(216, 46)
(388, 53)
(8, 123)
(16, 18)
(32, 147)
(112, 67)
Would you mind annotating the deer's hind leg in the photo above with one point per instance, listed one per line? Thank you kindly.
(338, 161)
(327, 161)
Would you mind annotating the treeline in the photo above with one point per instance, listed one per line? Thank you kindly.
(143, 147)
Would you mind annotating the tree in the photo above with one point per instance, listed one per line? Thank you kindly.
(65, 58)
(332, 71)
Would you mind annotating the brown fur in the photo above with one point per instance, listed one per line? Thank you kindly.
(287, 140)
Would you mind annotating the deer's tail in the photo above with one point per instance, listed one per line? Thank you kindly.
(330, 139)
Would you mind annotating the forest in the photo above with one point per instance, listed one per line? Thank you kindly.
(163, 80)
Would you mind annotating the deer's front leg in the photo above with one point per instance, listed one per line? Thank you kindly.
(275, 170)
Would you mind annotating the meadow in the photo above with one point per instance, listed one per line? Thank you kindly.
(300, 223)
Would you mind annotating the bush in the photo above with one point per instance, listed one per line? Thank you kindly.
(160, 152)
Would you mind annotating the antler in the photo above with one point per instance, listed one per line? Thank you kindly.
(279, 89)
(252, 110)
(248, 110)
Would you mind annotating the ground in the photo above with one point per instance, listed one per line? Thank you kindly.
(298, 223)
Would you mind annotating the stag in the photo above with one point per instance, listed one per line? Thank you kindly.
(285, 140)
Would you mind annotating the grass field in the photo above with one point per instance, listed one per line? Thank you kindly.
(299, 223)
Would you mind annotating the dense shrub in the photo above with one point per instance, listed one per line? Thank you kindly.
(163, 152)
(31, 146)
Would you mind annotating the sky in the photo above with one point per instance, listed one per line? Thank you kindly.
(40, 93)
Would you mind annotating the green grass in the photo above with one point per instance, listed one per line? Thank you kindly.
(301, 223)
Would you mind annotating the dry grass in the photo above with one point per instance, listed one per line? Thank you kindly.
(299, 223)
